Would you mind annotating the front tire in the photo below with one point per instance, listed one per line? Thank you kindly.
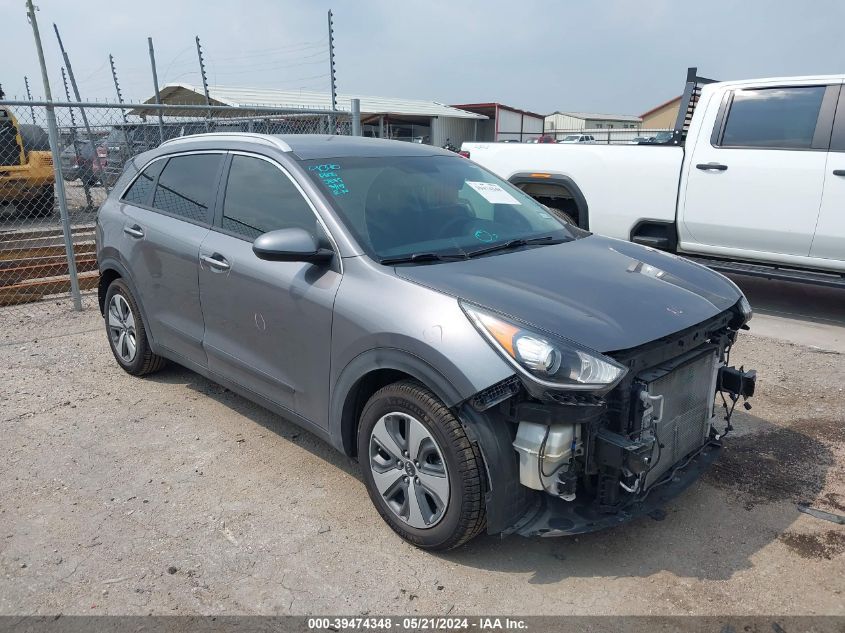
(422, 473)
(126, 332)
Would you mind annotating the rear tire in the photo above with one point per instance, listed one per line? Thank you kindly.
(434, 445)
(126, 332)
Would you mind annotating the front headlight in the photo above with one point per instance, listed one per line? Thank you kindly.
(548, 360)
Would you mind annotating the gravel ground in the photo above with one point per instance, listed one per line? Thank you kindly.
(12, 218)
(173, 495)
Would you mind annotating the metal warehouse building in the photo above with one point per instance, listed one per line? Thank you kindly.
(382, 117)
(558, 122)
(505, 123)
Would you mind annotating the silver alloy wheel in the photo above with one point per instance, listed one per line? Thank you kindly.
(121, 324)
(409, 470)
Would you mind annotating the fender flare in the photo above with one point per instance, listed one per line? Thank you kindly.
(342, 423)
(526, 178)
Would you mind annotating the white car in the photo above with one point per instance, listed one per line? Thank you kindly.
(750, 180)
(578, 138)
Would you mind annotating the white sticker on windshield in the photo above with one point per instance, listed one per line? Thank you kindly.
(493, 193)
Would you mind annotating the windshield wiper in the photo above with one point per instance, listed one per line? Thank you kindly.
(546, 239)
(414, 258)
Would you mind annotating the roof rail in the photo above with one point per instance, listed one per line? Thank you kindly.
(689, 100)
(266, 139)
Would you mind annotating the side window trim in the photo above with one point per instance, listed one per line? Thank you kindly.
(824, 120)
(721, 119)
(824, 123)
(837, 136)
(149, 205)
(218, 212)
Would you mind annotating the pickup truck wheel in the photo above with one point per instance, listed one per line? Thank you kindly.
(421, 471)
(126, 332)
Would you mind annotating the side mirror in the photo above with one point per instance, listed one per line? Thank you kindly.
(290, 245)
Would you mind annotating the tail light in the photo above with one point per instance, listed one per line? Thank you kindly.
(463, 153)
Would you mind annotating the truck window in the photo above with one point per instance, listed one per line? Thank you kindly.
(773, 117)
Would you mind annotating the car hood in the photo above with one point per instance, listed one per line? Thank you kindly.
(604, 293)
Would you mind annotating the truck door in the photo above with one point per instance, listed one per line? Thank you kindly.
(829, 240)
(753, 188)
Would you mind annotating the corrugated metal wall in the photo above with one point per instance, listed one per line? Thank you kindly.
(456, 131)
(563, 122)
(509, 125)
(518, 126)
(532, 125)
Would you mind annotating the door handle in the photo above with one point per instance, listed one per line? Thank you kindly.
(711, 167)
(134, 231)
(839, 172)
(216, 261)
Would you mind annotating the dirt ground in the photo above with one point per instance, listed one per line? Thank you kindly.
(172, 495)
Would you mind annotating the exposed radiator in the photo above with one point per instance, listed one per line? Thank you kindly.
(688, 392)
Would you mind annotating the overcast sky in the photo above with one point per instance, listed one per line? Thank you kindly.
(613, 56)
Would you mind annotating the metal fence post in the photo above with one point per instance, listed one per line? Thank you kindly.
(90, 136)
(29, 96)
(204, 79)
(155, 85)
(333, 85)
(356, 117)
(53, 133)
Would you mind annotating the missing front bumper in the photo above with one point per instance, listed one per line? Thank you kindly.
(555, 517)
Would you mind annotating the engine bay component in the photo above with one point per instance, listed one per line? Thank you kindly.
(545, 456)
(737, 381)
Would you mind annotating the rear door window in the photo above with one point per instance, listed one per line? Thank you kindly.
(186, 186)
(782, 118)
(260, 198)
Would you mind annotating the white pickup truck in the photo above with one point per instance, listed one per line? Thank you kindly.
(752, 180)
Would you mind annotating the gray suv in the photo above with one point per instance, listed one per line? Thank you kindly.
(489, 366)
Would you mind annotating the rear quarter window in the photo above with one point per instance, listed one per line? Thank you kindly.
(139, 192)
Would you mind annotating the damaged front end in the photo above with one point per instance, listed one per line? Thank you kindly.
(567, 461)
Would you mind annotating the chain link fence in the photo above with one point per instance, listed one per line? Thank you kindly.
(47, 248)
(611, 136)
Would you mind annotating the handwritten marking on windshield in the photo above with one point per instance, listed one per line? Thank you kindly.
(329, 177)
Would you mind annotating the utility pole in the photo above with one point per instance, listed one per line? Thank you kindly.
(85, 185)
(155, 85)
(331, 74)
(204, 81)
(29, 96)
(53, 133)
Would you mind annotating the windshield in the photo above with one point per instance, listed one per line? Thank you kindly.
(435, 205)
(571, 137)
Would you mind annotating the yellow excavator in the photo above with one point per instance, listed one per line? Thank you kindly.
(26, 166)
